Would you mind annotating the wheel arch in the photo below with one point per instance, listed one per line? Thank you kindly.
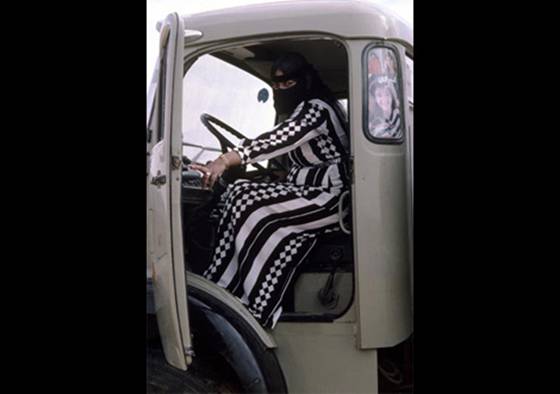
(228, 333)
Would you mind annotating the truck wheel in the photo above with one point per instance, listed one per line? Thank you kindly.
(162, 378)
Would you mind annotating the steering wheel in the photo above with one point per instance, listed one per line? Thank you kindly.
(207, 121)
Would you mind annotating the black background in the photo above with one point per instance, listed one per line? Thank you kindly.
(74, 179)
(484, 204)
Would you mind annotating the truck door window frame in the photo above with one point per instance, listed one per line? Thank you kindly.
(190, 59)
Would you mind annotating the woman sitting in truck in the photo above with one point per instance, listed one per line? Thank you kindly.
(267, 230)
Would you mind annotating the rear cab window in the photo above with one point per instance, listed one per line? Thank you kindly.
(383, 120)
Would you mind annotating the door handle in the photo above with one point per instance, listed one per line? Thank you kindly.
(159, 180)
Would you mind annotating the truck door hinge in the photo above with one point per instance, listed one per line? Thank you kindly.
(176, 162)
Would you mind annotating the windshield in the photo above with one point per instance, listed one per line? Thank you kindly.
(228, 93)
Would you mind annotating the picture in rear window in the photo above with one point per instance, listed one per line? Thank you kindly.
(384, 106)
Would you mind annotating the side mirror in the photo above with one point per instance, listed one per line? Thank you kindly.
(263, 95)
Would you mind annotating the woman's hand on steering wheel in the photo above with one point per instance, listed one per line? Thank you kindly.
(211, 171)
(208, 121)
(215, 169)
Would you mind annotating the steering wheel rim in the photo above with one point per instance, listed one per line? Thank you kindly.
(207, 121)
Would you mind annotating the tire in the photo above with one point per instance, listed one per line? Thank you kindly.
(162, 378)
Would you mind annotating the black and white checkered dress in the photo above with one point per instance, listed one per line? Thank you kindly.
(267, 229)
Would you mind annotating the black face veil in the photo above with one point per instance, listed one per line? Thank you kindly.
(286, 100)
(293, 67)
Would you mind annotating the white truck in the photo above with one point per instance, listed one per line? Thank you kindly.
(347, 321)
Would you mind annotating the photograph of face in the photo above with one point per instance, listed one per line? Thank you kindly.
(383, 102)
(384, 99)
(384, 114)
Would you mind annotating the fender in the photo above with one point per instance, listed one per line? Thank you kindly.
(229, 334)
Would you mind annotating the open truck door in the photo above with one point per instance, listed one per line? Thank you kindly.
(165, 244)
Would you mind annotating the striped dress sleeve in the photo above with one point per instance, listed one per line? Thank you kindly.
(307, 122)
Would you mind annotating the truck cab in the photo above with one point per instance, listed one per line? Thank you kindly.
(351, 301)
